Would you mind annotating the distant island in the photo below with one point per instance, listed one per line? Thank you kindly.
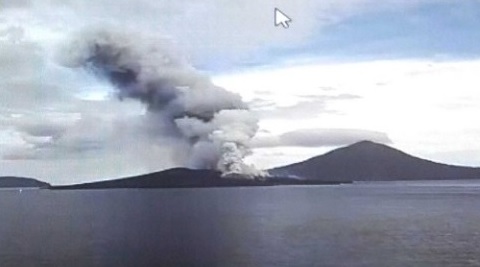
(188, 178)
(369, 161)
(362, 161)
(20, 182)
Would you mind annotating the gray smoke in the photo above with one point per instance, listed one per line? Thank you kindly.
(185, 104)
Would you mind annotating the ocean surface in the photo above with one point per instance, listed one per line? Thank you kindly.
(365, 224)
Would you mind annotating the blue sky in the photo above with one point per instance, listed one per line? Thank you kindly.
(430, 30)
(441, 31)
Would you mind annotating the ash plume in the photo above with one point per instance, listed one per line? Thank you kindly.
(184, 104)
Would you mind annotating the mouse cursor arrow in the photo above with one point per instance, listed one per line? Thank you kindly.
(281, 18)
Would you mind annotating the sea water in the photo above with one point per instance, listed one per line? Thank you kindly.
(365, 224)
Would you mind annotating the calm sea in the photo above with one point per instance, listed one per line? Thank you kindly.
(368, 224)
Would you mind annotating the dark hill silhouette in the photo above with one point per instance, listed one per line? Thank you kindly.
(187, 178)
(369, 161)
(20, 182)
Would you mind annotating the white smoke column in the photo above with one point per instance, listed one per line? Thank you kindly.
(184, 103)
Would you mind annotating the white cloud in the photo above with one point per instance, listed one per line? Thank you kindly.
(320, 138)
(427, 108)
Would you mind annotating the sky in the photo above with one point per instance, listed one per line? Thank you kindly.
(403, 73)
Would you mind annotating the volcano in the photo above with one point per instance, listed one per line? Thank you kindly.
(369, 161)
(188, 178)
